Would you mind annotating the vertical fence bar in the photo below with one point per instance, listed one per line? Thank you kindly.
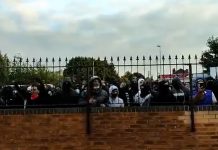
(40, 62)
(131, 63)
(46, 65)
(33, 68)
(8, 69)
(93, 66)
(189, 61)
(34, 63)
(14, 68)
(202, 68)
(118, 63)
(150, 64)
(163, 59)
(137, 64)
(59, 72)
(88, 108)
(66, 61)
(170, 68)
(143, 59)
(20, 67)
(53, 60)
(105, 64)
(183, 73)
(191, 102)
(98, 67)
(111, 60)
(40, 66)
(27, 65)
(157, 65)
(176, 58)
(196, 65)
(124, 62)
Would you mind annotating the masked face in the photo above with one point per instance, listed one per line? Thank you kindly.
(134, 79)
(143, 91)
(141, 82)
(200, 85)
(34, 93)
(114, 93)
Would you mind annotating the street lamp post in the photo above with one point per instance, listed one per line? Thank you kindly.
(160, 56)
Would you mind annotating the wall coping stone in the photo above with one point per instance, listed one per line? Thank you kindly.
(20, 111)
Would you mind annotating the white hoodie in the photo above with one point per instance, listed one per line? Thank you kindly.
(115, 102)
(137, 98)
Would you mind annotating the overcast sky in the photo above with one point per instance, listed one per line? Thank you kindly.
(68, 28)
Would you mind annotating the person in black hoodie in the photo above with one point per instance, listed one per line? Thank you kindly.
(164, 95)
(124, 93)
(94, 95)
(180, 92)
(69, 95)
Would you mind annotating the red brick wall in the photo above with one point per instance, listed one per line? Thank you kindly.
(109, 131)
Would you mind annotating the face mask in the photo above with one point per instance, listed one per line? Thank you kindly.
(143, 93)
(96, 87)
(114, 95)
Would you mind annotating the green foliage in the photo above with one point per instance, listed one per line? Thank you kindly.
(25, 74)
(128, 76)
(83, 68)
(210, 57)
(4, 70)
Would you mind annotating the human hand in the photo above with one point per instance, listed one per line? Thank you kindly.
(102, 105)
(92, 100)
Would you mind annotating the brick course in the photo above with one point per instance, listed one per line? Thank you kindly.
(111, 129)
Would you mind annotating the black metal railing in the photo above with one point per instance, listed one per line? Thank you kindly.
(52, 71)
(146, 65)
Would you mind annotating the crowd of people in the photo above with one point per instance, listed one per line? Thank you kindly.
(139, 92)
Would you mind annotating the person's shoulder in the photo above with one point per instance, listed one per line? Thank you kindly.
(104, 91)
(120, 99)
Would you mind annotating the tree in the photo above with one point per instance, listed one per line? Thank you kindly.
(83, 68)
(128, 76)
(23, 73)
(210, 57)
(4, 70)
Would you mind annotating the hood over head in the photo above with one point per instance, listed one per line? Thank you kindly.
(112, 88)
(113, 91)
(140, 82)
(95, 82)
(176, 83)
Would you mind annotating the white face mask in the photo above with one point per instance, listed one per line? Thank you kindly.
(96, 87)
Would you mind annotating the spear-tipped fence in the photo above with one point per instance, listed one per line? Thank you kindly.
(150, 67)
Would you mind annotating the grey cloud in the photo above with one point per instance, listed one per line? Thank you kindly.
(117, 35)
